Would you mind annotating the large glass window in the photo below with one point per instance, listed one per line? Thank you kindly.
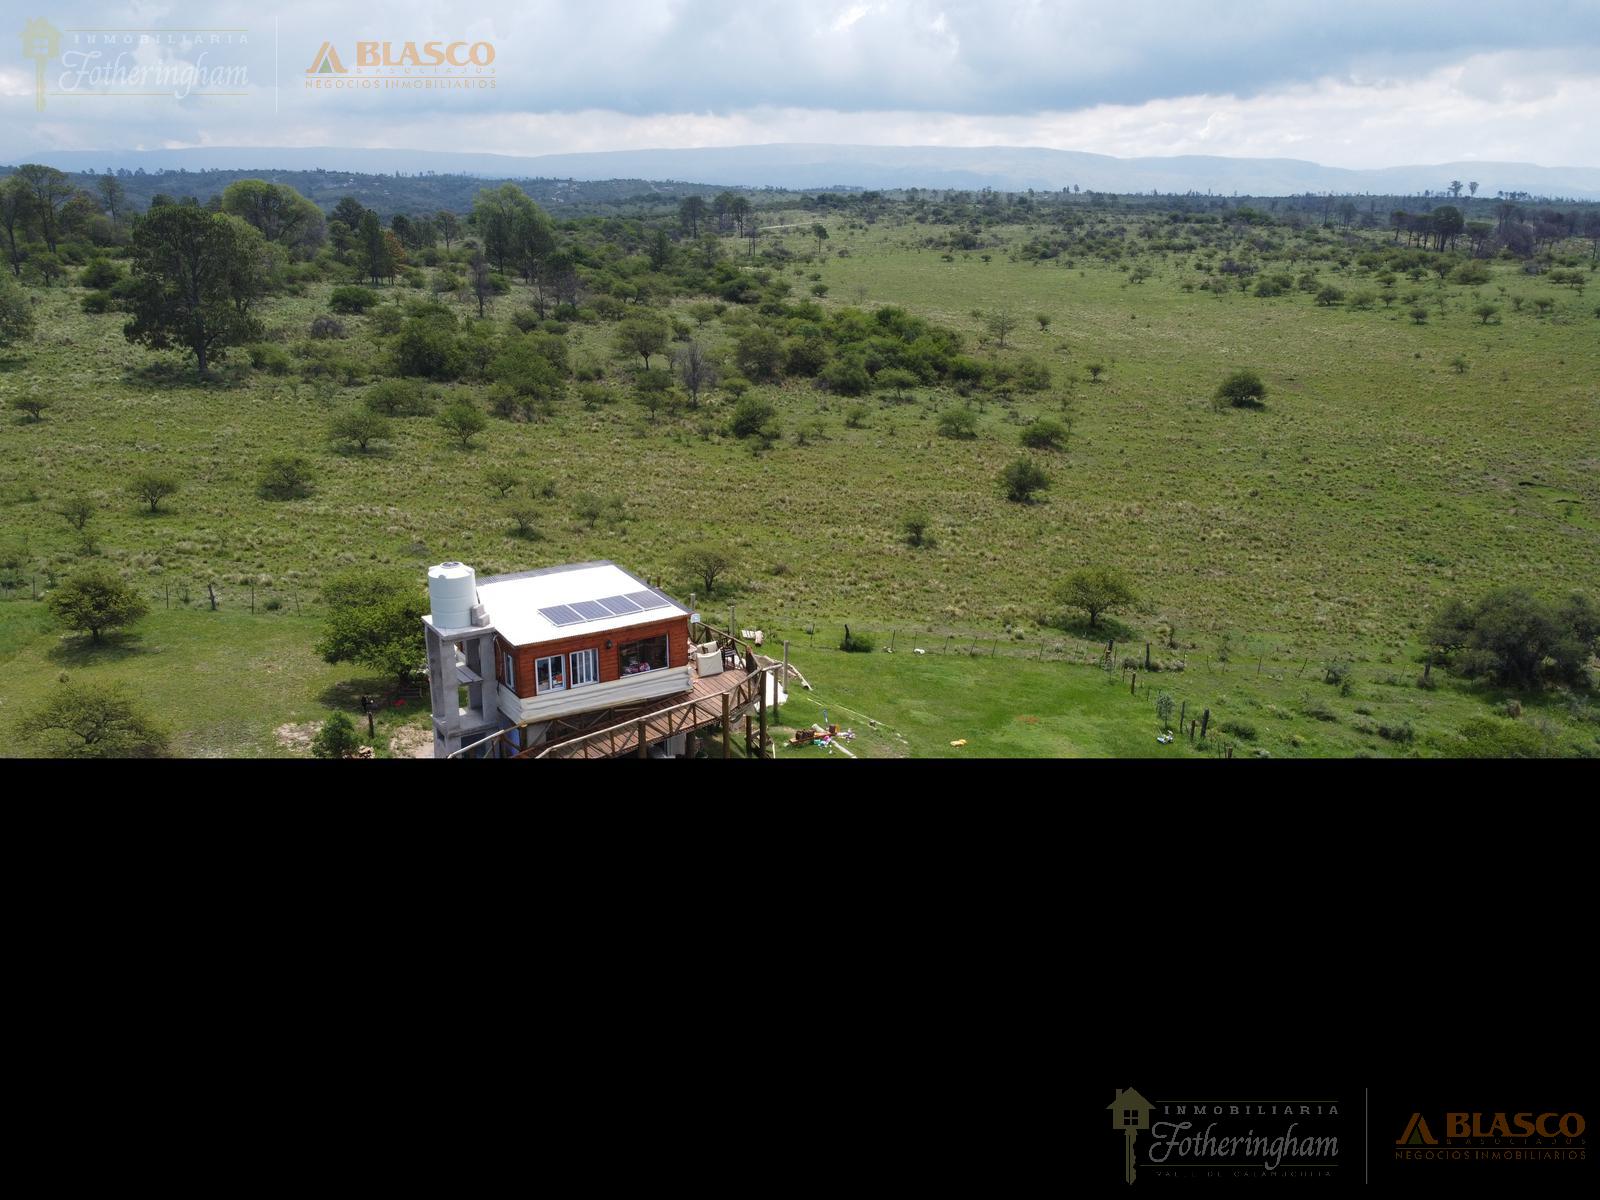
(647, 655)
(511, 672)
(585, 667)
(549, 674)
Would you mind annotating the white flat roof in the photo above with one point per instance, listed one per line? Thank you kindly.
(514, 602)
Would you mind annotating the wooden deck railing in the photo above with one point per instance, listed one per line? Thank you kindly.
(636, 736)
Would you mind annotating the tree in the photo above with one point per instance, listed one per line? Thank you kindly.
(1242, 389)
(706, 562)
(95, 724)
(691, 212)
(336, 739)
(1486, 312)
(374, 619)
(696, 370)
(34, 405)
(1517, 639)
(914, 526)
(94, 601)
(1095, 371)
(360, 428)
(373, 249)
(48, 190)
(152, 487)
(959, 423)
(16, 210)
(526, 515)
(463, 420)
(1024, 479)
(480, 281)
(1446, 224)
(284, 477)
(427, 345)
(1096, 590)
(16, 314)
(1001, 322)
(644, 336)
(196, 275)
(1044, 434)
(77, 511)
(820, 232)
(448, 225)
(278, 212)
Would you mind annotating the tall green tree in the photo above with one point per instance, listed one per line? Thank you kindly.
(49, 189)
(374, 619)
(197, 275)
(373, 246)
(277, 211)
(16, 208)
(16, 314)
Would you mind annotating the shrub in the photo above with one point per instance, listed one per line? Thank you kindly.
(274, 360)
(1329, 296)
(751, 415)
(427, 346)
(1494, 737)
(1397, 731)
(1518, 639)
(1242, 389)
(1044, 434)
(1242, 730)
(856, 643)
(398, 398)
(914, 526)
(96, 302)
(387, 320)
(325, 327)
(284, 477)
(1023, 480)
(336, 739)
(960, 423)
(351, 300)
(99, 275)
(33, 405)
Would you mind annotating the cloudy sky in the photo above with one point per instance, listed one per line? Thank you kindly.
(1355, 83)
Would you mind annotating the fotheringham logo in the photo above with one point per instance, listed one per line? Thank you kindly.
(130, 63)
(1495, 1137)
(1242, 1138)
(400, 66)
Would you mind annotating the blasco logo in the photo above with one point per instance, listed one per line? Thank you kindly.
(1494, 1137)
(431, 65)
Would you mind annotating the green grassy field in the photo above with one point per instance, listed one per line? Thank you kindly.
(1378, 480)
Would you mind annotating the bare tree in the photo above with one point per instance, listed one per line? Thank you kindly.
(696, 370)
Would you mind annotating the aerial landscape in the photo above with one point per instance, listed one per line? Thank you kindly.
(1169, 397)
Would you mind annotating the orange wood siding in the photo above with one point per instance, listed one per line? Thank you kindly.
(525, 657)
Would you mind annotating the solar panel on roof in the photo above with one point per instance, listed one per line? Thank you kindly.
(560, 614)
(620, 605)
(651, 599)
(590, 611)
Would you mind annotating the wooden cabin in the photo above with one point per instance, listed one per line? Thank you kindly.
(583, 661)
(588, 636)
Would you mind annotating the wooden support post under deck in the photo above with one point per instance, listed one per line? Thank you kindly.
(761, 709)
(643, 746)
(747, 735)
(727, 728)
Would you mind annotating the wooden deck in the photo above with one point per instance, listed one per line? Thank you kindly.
(714, 700)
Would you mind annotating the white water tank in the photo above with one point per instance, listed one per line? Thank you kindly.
(452, 591)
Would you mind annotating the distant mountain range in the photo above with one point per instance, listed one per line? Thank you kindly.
(805, 166)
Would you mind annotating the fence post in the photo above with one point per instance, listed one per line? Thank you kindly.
(1133, 683)
(727, 728)
(1205, 722)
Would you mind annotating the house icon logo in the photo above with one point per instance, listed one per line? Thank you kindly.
(326, 61)
(1130, 1112)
